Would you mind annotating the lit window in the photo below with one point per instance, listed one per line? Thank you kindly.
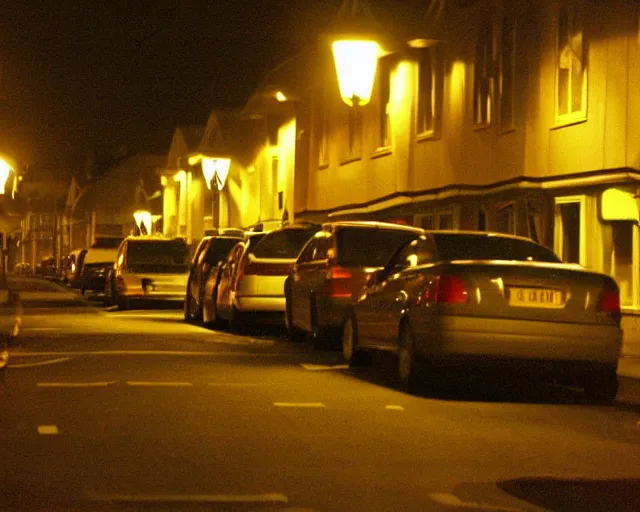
(571, 70)
(507, 73)
(483, 75)
(430, 77)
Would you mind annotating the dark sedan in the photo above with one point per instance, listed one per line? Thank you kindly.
(475, 298)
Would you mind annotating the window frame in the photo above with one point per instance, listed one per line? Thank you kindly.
(572, 117)
(558, 245)
(435, 93)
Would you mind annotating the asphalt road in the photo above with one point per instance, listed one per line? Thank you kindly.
(139, 411)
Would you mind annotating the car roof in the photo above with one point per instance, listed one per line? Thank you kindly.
(370, 224)
(153, 238)
(100, 255)
(496, 234)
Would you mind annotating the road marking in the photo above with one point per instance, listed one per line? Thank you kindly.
(233, 384)
(192, 498)
(42, 328)
(48, 430)
(159, 384)
(452, 500)
(42, 363)
(249, 341)
(394, 408)
(138, 353)
(75, 384)
(300, 404)
(319, 367)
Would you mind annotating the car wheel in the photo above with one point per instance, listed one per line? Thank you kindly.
(405, 370)
(315, 336)
(350, 350)
(235, 322)
(189, 307)
(210, 316)
(122, 302)
(294, 334)
(602, 388)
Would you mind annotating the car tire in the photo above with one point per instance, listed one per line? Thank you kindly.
(405, 367)
(123, 303)
(315, 336)
(188, 300)
(235, 322)
(601, 389)
(211, 319)
(294, 334)
(350, 351)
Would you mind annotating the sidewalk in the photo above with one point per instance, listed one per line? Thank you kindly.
(629, 367)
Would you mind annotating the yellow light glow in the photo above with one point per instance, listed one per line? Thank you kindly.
(280, 96)
(143, 220)
(194, 159)
(216, 168)
(180, 176)
(5, 170)
(163, 181)
(418, 43)
(356, 63)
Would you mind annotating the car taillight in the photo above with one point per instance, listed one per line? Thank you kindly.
(340, 282)
(609, 301)
(449, 289)
(120, 284)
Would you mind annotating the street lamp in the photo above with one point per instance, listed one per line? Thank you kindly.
(143, 221)
(214, 169)
(355, 48)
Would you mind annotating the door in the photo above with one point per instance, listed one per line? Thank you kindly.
(226, 278)
(300, 286)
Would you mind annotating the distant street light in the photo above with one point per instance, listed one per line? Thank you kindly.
(143, 221)
(214, 169)
(5, 170)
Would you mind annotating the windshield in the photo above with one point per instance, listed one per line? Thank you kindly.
(453, 246)
(219, 248)
(286, 243)
(367, 247)
(171, 256)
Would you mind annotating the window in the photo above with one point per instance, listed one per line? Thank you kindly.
(570, 235)
(384, 93)
(445, 221)
(482, 220)
(571, 70)
(426, 222)
(322, 129)
(505, 220)
(463, 246)
(507, 73)
(430, 76)
(483, 75)
(437, 220)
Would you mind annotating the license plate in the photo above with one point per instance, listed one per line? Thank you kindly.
(535, 298)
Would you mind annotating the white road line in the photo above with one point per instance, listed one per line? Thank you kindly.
(321, 367)
(451, 500)
(191, 498)
(75, 384)
(42, 363)
(41, 328)
(159, 384)
(300, 404)
(48, 430)
(138, 353)
(233, 384)
(394, 408)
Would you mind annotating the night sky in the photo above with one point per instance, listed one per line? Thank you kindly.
(80, 77)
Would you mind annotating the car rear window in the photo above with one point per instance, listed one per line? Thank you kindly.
(369, 247)
(482, 247)
(286, 243)
(157, 256)
(219, 248)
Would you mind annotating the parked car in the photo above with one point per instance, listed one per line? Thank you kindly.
(10, 322)
(96, 264)
(148, 268)
(107, 242)
(331, 269)
(256, 291)
(223, 275)
(210, 251)
(490, 299)
(71, 268)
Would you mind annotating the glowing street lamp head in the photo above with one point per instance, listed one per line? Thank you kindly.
(217, 168)
(356, 61)
(5, 170)
(143, 221)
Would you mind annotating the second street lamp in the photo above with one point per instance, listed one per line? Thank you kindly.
(215, 169)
